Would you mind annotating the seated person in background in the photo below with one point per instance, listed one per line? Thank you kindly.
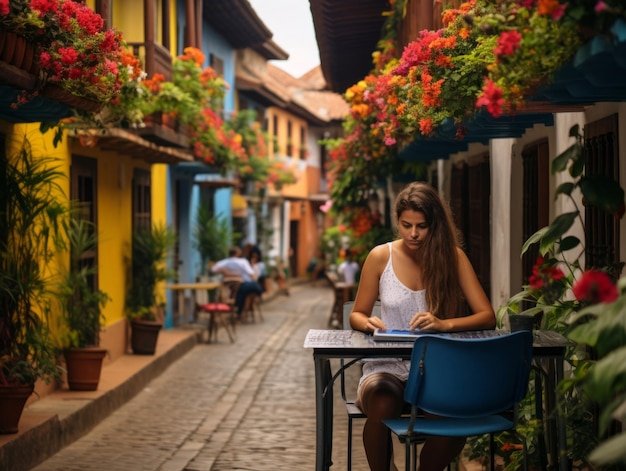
(258, 265)
(348, 269)
(236, 265)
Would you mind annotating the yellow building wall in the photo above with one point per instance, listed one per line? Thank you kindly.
(114, 218)
(128, 18)
(114, 194)
(125, 19)
(300, 188)
(302, 210)
(115, 174)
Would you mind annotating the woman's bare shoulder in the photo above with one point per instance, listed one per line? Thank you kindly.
(379, 254)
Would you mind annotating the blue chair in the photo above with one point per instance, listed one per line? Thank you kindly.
(472, 384)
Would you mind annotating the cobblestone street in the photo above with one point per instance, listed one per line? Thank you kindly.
(243, 406)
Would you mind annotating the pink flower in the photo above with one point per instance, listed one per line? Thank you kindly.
(600, 7)
(595, 286)
(326, 206)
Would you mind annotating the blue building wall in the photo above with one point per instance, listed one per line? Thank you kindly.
(213, 43)
(183, 196)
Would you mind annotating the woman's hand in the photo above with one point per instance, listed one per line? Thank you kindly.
(427, 321)
(372, 323)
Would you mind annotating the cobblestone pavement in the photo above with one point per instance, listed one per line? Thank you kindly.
(243, 406)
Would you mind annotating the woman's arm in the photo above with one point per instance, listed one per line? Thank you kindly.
(367, 294)
(482, 316)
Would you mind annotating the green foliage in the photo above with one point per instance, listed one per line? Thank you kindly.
(601, 327)
(211, 236)
(254, 164)
(29, 220)
(151, 249)
(333, 241)
(81, 304)
(169, 98)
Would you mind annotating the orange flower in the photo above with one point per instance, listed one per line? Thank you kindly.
(194, 54)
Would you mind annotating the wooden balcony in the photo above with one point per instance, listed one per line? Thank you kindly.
(156, 59)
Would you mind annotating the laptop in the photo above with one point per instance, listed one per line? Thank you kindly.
(398, 335)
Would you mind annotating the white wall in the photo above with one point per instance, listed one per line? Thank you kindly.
(501, 163)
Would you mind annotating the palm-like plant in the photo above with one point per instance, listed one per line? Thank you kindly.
(81, 303)
(29, 219)
(151, 248)
(211, 236)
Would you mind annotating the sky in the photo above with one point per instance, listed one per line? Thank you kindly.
(292, 25)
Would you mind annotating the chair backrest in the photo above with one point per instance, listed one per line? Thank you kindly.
(347, 309)
(201, 296)
(469, 377)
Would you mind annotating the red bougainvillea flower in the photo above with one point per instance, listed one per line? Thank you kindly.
(595, 286)
(508, 43)
(543, 274)
(491, 98)
(511, 446)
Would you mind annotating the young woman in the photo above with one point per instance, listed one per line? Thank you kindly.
(423, 280)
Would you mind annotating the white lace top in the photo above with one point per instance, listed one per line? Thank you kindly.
(398, 305)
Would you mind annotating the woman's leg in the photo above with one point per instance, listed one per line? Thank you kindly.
(381, 396)
(240, 296)
(438, 452)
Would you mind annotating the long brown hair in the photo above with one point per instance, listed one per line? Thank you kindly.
(438, 254)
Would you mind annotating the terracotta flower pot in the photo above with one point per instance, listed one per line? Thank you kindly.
(84, 366)
(12, 401)
(144, 336)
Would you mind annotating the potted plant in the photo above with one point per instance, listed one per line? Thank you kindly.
(151, 248)
(163, 101)
(81, 307)
(29, 214)
(211, 237)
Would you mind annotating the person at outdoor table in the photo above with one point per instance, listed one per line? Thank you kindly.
(424, 281)
(348, 269)
(258, 265)
(238, 266)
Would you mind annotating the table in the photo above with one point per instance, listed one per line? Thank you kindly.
(548, 347)
(185, 311)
